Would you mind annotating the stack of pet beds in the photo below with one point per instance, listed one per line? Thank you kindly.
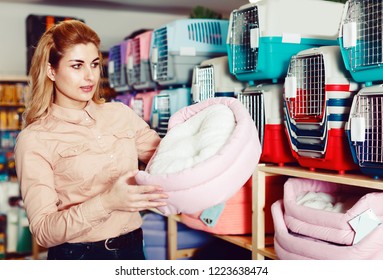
(324, 220)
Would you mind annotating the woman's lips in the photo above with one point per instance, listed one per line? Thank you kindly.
(86, 88)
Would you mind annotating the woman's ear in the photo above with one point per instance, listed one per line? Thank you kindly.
(51, 72)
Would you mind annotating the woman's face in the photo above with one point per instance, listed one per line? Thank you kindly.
(76, 77)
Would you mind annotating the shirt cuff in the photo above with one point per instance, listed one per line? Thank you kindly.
(94, 212)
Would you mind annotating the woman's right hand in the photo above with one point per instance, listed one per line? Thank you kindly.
(125, 197)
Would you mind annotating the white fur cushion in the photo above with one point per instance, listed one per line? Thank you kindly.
(194, 141)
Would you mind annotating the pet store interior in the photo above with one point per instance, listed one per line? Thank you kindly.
(306, 73)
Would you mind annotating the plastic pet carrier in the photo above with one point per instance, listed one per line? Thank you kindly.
(265, 105)
(365, 130)
(264, 34)
(155, 230)
(137, 61)
(212, 79)
(317, 99)
(182, 44)
(165, 104)
(360, 38)
(117, 69)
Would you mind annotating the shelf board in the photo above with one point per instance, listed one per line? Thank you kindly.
(243, 241)
(14, 78)
(268, 252)
(351, 178)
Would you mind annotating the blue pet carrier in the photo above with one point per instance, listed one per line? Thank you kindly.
(155, 232)
(360, 39)
(182, 44)
(117, 71)
(137, 61)
(365, 130)
(265, 105)
(165, 104)
(317, 99)
(264, 34)
(212, 79)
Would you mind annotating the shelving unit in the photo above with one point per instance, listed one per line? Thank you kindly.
(261, 246)
(259, 243)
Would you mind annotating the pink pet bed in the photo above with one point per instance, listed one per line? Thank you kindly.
(209, 152)
(313, 221)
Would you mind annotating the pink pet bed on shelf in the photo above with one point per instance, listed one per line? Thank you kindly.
(323, 220)
(209, 152)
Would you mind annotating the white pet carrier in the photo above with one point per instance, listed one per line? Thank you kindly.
(182, 44)
(365, 130)
(360, 38)
(318, 95)
(265, 105)
(264, 34)
(212, 79)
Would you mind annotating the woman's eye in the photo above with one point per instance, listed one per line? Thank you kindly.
(95, 64)
(76, 66)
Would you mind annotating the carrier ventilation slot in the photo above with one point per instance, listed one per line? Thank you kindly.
(309, 102)
(254, 102)
(371, 150)
(205, 32)
(245, 56)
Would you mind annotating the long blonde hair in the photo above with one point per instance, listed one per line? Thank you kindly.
(50, 49)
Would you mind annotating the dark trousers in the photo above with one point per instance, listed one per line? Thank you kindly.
(126, 247)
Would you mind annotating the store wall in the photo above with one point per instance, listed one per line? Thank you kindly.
(111, 25)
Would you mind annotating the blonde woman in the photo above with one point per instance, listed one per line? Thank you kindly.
(77, 155)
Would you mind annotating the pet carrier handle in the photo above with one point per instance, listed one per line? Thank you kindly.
(290, 87)
(349, 35)
(358, 128)
(254, 38)
(130, 62)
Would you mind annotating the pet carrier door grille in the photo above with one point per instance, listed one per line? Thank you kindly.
(309, 102)
(254, 102)
(160, 71)
(370, 108)
(245, 54)
(205, 82)
(162, 108)
(135, 72)
(367, 15)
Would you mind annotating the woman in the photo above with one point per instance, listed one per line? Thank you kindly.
(77, 155)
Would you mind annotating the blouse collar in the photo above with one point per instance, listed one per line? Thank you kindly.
(84, 116)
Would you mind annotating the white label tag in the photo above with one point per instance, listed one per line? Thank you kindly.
(358, 129)
(291, 38)
(363, 224)
(349, 35)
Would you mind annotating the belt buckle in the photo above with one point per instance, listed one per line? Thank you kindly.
(106, 245)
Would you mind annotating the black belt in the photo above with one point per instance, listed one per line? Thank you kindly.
(132, 238)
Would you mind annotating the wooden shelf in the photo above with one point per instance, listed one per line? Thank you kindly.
(262, 246)
(14, 78)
